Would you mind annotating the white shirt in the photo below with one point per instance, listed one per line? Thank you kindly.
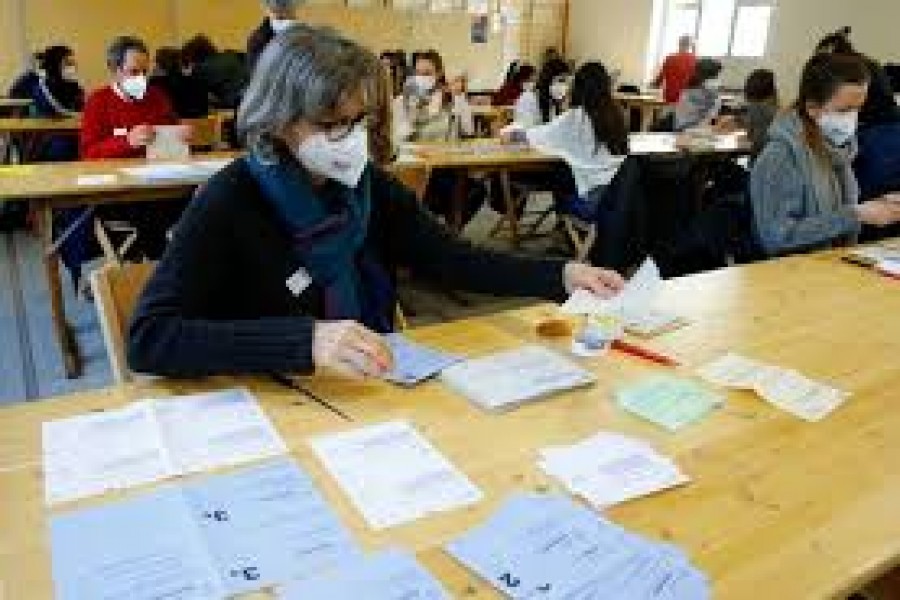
(570, 137)
(527, 110)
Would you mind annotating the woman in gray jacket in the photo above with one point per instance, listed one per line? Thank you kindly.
(802, 187)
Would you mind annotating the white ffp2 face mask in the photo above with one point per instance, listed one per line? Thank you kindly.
(839, 128)
(135, 86)
(424, 83)
(341, 160)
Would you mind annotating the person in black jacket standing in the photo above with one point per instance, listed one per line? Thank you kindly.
(284, 262)
(280, 14)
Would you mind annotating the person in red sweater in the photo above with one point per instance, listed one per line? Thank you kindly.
(118, 122)
(677, 70)
(118, 119)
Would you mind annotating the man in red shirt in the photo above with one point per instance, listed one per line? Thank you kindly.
(118, 119)
(677, 70)
(118, 122)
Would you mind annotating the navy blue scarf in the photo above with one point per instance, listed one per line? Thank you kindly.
(328, 229)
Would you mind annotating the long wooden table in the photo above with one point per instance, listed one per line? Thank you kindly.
(777, 507)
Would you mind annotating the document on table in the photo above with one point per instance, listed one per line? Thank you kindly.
(217, 537)
(784, 388)
(635, 305)
(99, 179)
(508, 379)
(168, 143)
(415, 363)
(151, 440)
(392, 474)
(609, 468)
(549, 547)
(670, 402)
(389, 575)
(188, 172)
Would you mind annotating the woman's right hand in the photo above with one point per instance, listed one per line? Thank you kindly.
(879, 212)
(140, 136)
(350, 349)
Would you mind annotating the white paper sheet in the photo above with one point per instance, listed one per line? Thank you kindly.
(609, 468)
(96, 180)
(392, 474)
(507, 379)
(636, 305)
(784, 388)
(168, 143)
(153, 440)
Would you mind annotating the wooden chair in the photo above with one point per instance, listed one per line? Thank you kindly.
(207, 132)
(116, 290)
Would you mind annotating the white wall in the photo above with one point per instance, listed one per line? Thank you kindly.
(618, 33)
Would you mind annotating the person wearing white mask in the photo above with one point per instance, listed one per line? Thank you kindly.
(701, 102)
(280, 15)
(306, 281)
(58, 93)
(118, 118)
(804, 194)
(429, 110)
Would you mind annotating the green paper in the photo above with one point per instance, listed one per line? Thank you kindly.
(670, 402)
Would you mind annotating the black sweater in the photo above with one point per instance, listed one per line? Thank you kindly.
(218, 302)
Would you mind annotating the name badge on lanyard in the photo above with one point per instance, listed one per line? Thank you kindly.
(299, 281)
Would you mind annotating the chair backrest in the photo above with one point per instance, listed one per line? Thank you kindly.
(116, 290)
(414, 177)
(207, 132)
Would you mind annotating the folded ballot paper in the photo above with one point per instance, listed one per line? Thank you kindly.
(548, 547)
(508, 379)
(634, 305)
(415, 363)
(784, 388)
(189, 171)
(609, 468)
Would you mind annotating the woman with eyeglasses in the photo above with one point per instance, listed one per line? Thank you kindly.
(285, 261)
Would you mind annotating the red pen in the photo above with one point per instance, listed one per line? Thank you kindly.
(646, 354)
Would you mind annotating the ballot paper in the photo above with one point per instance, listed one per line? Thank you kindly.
(548, 547)
(783, 388)
(389, 575)
(670, 402)
(415, 363)
(100, 179)
(508, 379)
(609, 468)
(392, 474)
(876, 254)
(187, 172)
(168, 143)
(152, 440)
(635, 305)
(211, 539)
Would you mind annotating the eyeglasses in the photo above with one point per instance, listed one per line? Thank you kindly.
(338, 129)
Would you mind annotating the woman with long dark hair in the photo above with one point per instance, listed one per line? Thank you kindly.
(803, 191)
(57, 92)
(551, 84)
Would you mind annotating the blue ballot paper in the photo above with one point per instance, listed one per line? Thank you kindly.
(548, 547)
(213, 538)
(414, 363)
(390, 575)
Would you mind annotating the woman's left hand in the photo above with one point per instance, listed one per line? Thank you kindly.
(603, 282)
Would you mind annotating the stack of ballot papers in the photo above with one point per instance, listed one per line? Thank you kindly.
(414, 363)
(390, 575)
(548, 547)
(670, 402)
(210, 539)
(392, 474)
(783, 388)
(508, 379)
(192, 171)
(152, 440)
(609, 468)
(635, 306)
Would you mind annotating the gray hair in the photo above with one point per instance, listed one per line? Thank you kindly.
(120, 47)
(304, 73)
(281, 6)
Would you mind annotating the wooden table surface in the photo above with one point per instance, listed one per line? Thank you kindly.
(38, 125)
(778, 508)
(14, 103)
